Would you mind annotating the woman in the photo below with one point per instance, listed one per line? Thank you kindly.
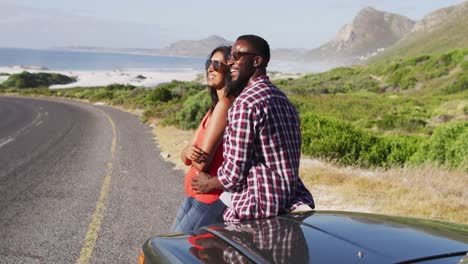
(204, 153)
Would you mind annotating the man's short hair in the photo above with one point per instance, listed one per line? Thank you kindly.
(260, 45)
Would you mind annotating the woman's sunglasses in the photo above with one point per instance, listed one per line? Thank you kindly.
(216, 65)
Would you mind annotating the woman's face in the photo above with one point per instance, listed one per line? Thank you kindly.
(216, 70)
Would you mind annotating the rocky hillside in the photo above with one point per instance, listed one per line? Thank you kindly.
(194, 48)
(370, 31)
(440, 31)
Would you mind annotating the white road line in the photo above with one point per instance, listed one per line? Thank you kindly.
(4, 142)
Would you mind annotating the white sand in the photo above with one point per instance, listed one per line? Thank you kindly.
(103, 78)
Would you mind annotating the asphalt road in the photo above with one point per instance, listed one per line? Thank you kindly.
(79, 183)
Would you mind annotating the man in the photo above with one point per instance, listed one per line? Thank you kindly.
(262, 142)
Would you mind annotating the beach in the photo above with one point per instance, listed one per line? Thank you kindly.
(137, 77)
(93, 78)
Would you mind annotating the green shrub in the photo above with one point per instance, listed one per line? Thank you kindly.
(160, 94)
(338, 140)
(391, 151)
(193, 110)
(333, 139)
(458, 152)
(120, 87)
(447, 146)
(181, 89)
(34, 80)
(460, 83)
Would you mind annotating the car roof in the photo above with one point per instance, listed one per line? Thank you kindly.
(323, 237)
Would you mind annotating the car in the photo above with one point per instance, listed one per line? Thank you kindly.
(315, 237)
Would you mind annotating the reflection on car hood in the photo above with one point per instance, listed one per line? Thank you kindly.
(320, 237)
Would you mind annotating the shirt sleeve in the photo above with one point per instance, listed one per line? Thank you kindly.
(238, 146)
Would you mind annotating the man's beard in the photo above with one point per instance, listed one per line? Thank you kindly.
(235, 87)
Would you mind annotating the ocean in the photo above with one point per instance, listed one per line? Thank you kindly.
(75, 60)
(58, 60)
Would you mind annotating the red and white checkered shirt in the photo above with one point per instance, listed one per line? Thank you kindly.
(262, 149)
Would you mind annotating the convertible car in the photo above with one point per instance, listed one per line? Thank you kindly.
(315, 237)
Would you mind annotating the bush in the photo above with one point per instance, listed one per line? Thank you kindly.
(338, 140)
(34, 80)
(391, 151)
(460, 83)
(120, 87)
(447, 146)
(333, 139)
(408, 119)
(160, 94)
(193, 110)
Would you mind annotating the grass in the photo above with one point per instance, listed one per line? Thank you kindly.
(425, 191)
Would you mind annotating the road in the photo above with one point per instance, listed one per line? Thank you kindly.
(79, 183)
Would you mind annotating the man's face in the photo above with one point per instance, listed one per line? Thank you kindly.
(241, 64)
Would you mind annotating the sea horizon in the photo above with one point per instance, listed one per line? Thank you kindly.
(59, 59)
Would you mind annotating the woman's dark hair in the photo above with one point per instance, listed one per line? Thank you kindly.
(226, 50)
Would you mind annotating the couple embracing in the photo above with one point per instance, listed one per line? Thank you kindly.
(248, 145)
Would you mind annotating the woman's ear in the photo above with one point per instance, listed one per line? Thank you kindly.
(258, 60)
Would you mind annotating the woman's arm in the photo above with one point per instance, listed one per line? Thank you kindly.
(214, 133)
(189, 153)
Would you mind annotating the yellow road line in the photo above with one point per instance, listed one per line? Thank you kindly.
(95, 225)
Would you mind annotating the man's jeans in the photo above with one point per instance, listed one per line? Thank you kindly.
(194, 214)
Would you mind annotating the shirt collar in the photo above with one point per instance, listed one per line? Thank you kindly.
(261, 78)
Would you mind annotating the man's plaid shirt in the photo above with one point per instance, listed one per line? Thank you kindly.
(262, 148)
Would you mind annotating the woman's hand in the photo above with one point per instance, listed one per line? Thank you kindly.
(194, 153)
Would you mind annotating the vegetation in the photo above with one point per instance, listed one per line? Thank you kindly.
(35, 80)
(400, 113)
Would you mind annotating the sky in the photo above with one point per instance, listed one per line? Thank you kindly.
(158, 23)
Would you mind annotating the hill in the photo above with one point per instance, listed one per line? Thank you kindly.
(194, 48)
(440, 31)
(369, 31)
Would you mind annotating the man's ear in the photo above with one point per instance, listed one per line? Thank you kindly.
(258, 60)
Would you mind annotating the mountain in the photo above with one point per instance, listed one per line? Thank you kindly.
(440, 31)
(369, 31)
(194, 48)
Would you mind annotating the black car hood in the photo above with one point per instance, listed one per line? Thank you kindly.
(319, 237)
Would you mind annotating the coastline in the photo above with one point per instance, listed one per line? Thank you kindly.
(93, 78)
(137, 77)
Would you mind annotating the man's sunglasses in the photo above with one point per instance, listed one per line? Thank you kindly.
(216, 64)
(236, 55)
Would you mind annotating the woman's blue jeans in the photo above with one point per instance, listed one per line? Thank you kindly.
(194, 214)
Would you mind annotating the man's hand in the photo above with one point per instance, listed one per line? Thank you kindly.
(205, 183)
(201, 183)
